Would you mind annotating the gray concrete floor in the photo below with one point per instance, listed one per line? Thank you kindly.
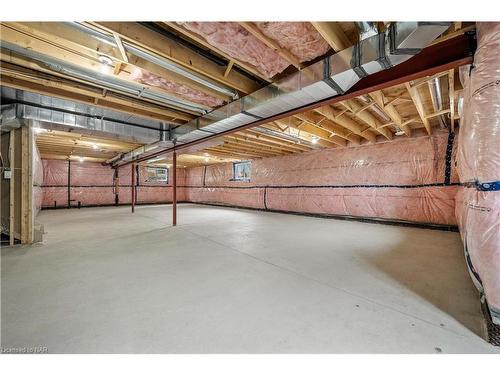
(236, 281)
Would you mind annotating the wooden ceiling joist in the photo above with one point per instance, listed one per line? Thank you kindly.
(90, 96)
(333, 34)
(337, 132)
(391, 111)
(287, 55)
(367, 117)
(277, 140)
(179, 54)
(417, 101)
(83, 58)
(193, 36)
(324, 136)
(346, 122)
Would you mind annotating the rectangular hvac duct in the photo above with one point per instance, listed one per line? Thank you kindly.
(329, 77)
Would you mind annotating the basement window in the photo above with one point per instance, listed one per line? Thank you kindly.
(157, 174)
(242, 170)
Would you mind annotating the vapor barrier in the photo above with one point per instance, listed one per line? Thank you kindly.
(409, 179)
(92, 184)
(37, 180)
(478, 158)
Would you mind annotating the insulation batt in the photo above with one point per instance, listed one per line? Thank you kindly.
(92, 184)
(380, 181)
(37, 180)
(300, 38)
(178, 89)
(478, 158)
(238, 43)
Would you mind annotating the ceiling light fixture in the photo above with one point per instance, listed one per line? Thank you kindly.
(95, 147)
(80, 158)
(314, 140)
(399, 131)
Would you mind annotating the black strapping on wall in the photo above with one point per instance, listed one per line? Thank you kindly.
(69, 183)
(265, 198)
(449, 152)
(204, 175)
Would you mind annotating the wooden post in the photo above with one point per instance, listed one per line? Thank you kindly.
(174, 187)
(26, 185)
(133, 187)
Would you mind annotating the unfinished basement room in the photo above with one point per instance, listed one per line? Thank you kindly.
(250, 187)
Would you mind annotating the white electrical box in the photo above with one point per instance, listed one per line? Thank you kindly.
(7, 174)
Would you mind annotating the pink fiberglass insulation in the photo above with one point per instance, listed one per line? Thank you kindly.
(300, 38)
(37, 180)
(183, 91)
(478, 158)
(238, 43)
(399, 180)
(92, 184)
(55, 180)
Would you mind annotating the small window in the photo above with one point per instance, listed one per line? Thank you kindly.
(156, 174)
(241, 171)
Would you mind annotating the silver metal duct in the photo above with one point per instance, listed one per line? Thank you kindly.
(437, 99)
(327, 78)
(153, 58)
(13, 115)
(366, 29)
(105, 80)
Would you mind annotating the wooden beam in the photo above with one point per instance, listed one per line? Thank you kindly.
(415, 97)
(389, 109)
(248, 148)
(337, 132)
(29, 80)
(287, 55)
(324, 136)
(253, 146)
(179, 54)
(260, 143)
(193, 36)
(120, 46)
(71, 52)
(228, 68)
(12, 187)
(368, 118)
(275, 140)
(345, 122)
(438, 113)
(333, 34)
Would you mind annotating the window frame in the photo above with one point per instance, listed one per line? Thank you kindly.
(167, 170)
(242, 179)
